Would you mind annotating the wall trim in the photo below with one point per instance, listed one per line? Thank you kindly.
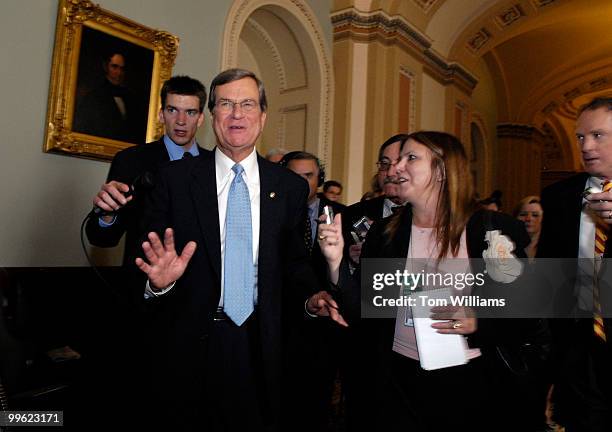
(378, 26)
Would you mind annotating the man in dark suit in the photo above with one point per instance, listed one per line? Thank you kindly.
(583, 385)
(332, 190)
(136, 166)
(221, 321)
(308, 167)
(119, 342)
(111, 110)
(320, 350)
(380, 207)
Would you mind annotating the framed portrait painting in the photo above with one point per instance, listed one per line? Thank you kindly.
(106, 77)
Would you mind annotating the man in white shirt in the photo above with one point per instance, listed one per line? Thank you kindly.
(583, 382)
(216, 370)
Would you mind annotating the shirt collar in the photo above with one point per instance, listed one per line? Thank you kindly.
(313, 208)
(176, 151)
(390, 204)
(224, 165)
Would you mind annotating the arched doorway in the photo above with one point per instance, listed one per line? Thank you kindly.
(282, 42)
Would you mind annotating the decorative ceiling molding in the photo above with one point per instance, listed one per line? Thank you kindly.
(563, 103)
(542, 3)
(480, 39)
(355, 23)
(425, 5)
(395, 30)
(550, 107)
(514, 130)
(509, 16)
(502, 20)
(449, 72)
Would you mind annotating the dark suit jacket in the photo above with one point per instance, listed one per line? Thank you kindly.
(372, 347)
(185, 198)
(127, 165)
(560, 236)
(373, 209)
(562, 203)
(581, 362)
(379, 245)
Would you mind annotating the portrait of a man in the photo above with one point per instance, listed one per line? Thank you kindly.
(113, 87)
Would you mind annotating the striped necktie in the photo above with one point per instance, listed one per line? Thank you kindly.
(601, 236)
(308, 234)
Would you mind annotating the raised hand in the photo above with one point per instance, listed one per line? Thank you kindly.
(331, 243)
(330, 240)
(164, 266)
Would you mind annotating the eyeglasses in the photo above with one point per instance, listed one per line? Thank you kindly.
(384, 165)
(227, 106)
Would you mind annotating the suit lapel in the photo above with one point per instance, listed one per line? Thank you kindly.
(398, 246)
(204, 195)
(270, 198)
(574, 211)
(162, 153)
(380, 208)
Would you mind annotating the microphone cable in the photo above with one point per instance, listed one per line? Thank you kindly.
(88, 257)
(143, 182)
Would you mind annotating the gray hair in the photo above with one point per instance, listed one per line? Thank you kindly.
(231, 75)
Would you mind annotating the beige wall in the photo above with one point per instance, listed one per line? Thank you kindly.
(432, 105)
(45, 196)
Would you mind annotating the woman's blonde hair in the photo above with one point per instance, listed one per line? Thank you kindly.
(456, 203)
(531, 199)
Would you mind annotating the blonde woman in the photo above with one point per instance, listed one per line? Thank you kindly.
(529, 210)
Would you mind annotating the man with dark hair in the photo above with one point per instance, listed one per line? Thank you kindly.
(578, 213)
(382, 206)
(111, 110)
(182, 104)
(332, 190)
(121, 345)
(230, 275)
(319, 354)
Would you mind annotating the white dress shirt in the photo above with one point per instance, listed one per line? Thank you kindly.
(224, 177)
(586, 251)
(388, 206)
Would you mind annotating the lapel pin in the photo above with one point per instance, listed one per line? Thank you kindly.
(272, 194)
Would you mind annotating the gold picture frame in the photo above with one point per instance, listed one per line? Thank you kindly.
(85, 35)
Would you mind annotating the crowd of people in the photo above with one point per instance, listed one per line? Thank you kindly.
(247, 281)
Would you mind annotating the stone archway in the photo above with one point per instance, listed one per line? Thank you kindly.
(283, 43)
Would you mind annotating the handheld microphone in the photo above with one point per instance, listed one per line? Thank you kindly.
(143, 182)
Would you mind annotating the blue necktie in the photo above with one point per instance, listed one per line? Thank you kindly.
(238, 271)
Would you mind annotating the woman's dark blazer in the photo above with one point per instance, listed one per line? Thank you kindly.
(372, 339)
(379, 245)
